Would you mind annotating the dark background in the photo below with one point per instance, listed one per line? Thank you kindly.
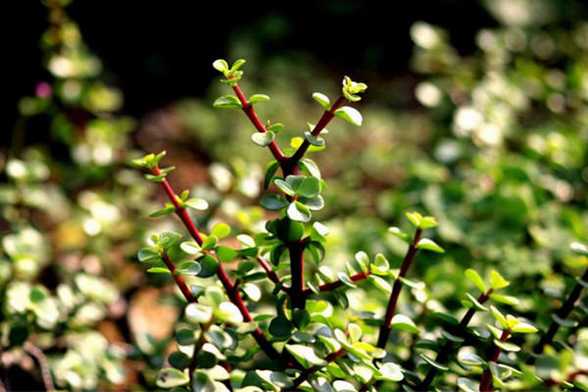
(161, 51)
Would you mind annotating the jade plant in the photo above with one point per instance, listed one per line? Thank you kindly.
(262, 311)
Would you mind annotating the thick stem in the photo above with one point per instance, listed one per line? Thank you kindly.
(179, 279)
(447, 348)
(320, 125)
(562, 313)
(486, 380)
(297, 296)
(338, 283)
(391, 308)
(258, 124)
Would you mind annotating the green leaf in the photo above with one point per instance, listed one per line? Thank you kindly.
(380, 264)
(221, 230)
(497, 282)
(309, 187)
(310, 167)
(499, 317)
(148, 255)
(197, 204)
(273, 202)
(226, 254)
(158, 270)
(189, 267)
(470, 359)
(164, 211)
(221, 65)
(476, 279)
(403, 323)
(284, 187)
(275, 127)
(322, 99)
(579, 248)
(179, 360)
(299, 212)
(428, 222)
(229, 313)
(434, 363)
(270, 172)
(351, 89)
(305, 355)
(253, 292)
(350, 115)
(281, 327)
(263, 139)
(415, 218)
(317, 141)
(227, 102)
(209, 266)
(467, 385)
(564, 322)
(171, 377)
(428, 244)
(523, 327)
(198, 313)
(256, 98)
(473, 302)
(505, 299)
(506, 346)
(395, 231)
(390, 371)
(190, 247)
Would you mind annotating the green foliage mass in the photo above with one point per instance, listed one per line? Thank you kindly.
(321, 272)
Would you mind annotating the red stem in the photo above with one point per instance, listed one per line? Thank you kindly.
(271, 274)
(391, 308)
(232, 293)
(254, 118)
(322, 123)
(486, 380)
(338, 283)
(180, 281)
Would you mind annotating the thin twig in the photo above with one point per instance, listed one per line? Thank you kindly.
(391, 308)
(179, 279)
(307, 373)
(338, 283)
(36, 353)
(486, 380)
(562, 313)
(447, 348)
(258, 124)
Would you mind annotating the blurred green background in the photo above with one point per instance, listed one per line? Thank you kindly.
(476, 113)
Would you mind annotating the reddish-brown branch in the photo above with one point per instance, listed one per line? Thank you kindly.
(486, 380)
(446, 349)
(179, 279)
(391, 308)
(41, 359)
(258, 124)
(562, 313)
(338, 283)
(318, 128)
(230, 289)
(271, 274)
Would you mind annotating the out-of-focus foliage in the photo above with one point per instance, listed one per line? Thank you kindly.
(495, 150)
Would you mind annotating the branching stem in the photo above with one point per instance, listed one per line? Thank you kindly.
(447, 348)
